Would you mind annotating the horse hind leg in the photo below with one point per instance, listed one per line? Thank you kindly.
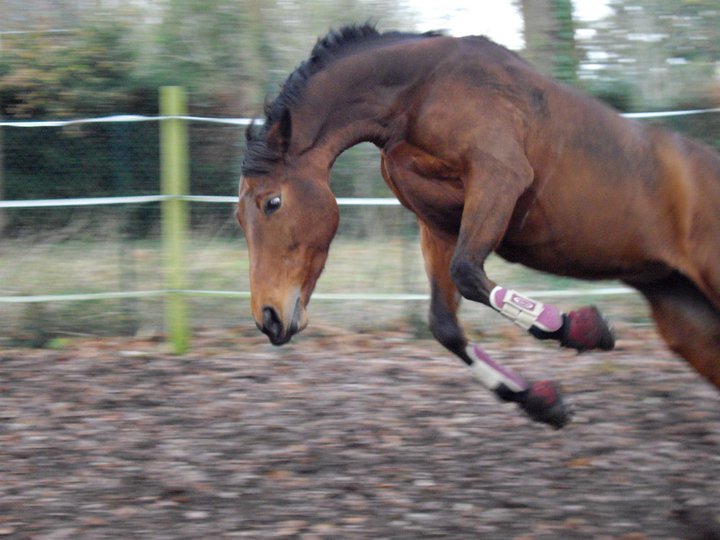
(688, 322)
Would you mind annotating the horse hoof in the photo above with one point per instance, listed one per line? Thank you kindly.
(544, 403)
(586, 329)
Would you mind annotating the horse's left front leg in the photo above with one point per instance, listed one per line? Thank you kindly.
(490, 198)
(541, 400)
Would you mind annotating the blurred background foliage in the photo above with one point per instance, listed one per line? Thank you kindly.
(87, 57)
(657, 53)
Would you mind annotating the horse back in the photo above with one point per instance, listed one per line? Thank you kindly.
(611, 197)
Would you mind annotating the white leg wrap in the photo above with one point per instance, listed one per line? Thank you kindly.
(491, 374)
(524, 311)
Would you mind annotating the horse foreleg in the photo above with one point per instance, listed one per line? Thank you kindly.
(688, 322)
(541, 400)
(486, 214)
(582, 329)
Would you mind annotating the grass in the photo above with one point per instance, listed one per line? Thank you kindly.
(387, 265)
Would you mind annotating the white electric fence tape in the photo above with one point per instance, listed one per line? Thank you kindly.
(259, 121)
(144, 199)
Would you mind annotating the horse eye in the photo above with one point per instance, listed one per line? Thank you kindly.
(272, 205)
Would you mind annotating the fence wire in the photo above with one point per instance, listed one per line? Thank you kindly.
(81, 236)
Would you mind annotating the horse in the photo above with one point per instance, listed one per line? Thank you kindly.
(490, 156)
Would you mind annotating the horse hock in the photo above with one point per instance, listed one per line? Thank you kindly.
(583, 329)
(542, 401)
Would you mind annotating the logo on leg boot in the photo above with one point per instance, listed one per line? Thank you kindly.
(523, 303)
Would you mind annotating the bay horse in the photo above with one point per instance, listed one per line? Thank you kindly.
(491, 156)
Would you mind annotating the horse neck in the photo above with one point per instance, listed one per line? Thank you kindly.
(356, 99)
(342, 121)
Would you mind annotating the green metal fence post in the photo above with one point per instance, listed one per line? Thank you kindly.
(175, 183)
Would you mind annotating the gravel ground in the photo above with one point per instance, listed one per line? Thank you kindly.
(350, 436)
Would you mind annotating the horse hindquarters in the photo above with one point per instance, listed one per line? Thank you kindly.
(688, 322)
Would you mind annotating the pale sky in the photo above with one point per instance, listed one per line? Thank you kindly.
(497, 19)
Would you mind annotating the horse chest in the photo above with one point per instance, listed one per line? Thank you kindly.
(426, 187)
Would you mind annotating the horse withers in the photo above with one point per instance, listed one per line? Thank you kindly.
(490, 156)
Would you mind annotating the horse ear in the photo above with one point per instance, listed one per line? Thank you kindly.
(279, 135)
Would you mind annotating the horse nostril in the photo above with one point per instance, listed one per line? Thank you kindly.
(272, 325)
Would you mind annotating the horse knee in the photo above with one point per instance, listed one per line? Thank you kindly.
(470, 279)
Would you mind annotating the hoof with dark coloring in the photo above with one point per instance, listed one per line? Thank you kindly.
(586, 329)
(544, 403)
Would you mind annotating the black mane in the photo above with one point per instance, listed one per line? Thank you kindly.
(259, 156)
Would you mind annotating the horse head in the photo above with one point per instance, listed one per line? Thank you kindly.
(286, 208)
(289, 217)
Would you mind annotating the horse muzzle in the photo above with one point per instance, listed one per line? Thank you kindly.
(273, 327)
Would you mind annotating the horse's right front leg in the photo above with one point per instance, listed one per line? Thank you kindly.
(541, 400)
(490, 197)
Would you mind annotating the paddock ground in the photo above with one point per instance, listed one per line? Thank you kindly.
(349, 435)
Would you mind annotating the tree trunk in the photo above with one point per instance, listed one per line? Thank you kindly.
(2, 182)
(539, 28)
(550, 38)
